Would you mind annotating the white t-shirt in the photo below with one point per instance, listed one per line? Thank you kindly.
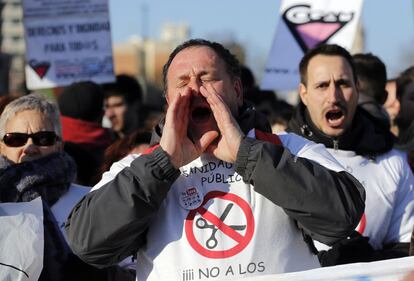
(389, 186)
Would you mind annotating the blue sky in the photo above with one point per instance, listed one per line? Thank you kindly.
(389, 25)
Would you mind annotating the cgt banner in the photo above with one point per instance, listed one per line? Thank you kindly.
(67, 41)
(303, 25)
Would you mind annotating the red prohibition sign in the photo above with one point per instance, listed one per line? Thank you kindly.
(242, 241)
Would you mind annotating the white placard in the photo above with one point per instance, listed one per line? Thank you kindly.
(67, 41)
(304, 24)
(21, 240)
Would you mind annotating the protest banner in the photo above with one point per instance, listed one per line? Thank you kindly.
(387, 270)
(304, 24)
(21, 240)
(67, 41)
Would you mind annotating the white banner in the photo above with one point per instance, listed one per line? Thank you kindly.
(67, 41)
(387, 270)
(21, 240)
(304, 24)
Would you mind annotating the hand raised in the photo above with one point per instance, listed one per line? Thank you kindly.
(230, 133)
(174, 140)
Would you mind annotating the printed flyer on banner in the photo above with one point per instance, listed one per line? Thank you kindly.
(67, 41)
(302, 25)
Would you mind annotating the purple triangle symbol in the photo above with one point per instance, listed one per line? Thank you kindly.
(316, 32)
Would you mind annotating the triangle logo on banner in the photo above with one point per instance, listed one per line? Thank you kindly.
(40, 67)
(311, 29)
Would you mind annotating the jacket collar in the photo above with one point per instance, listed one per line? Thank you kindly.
(366, 136)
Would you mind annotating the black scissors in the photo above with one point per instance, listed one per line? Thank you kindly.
(201, 223)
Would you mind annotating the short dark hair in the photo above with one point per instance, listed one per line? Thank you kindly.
(125, 86)
(82, 100)
(405, 78)
(372, 76)
(233, 65)
(326, 50)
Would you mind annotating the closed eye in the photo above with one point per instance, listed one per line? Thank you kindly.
(182, 83)
(208, 78)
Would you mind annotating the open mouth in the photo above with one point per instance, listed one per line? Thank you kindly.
(200, 114)
(335, 117)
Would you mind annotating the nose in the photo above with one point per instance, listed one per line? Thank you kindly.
(109, 112)
(334, 93)
(30, 148)
(195, 84)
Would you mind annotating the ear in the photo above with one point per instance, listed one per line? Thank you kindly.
(167, 99)
(238, 87)
(303, 93)
(397, 104)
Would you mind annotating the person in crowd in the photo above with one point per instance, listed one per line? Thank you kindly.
(85, 139)
(217, 193)
(278, 112)
(328, 114)
(5, 100)
(392, 104)
(33, 164)
(134, 143)
(405, 117)
(122, 104)
(372, 79)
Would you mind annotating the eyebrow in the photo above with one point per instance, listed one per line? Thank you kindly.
(340, 80)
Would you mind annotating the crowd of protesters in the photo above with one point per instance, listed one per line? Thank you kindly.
(128, 190)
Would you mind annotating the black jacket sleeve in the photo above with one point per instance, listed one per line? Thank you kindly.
(327, 205)
(109, 224)
(356, 248)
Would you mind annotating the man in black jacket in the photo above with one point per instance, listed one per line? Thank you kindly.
(217, 195)
(328, 114)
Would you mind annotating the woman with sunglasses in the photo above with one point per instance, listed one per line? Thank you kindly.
(33, 164)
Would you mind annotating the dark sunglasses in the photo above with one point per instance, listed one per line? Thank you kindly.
(45, 138)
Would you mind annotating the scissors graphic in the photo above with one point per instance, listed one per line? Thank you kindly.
(201, 223)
